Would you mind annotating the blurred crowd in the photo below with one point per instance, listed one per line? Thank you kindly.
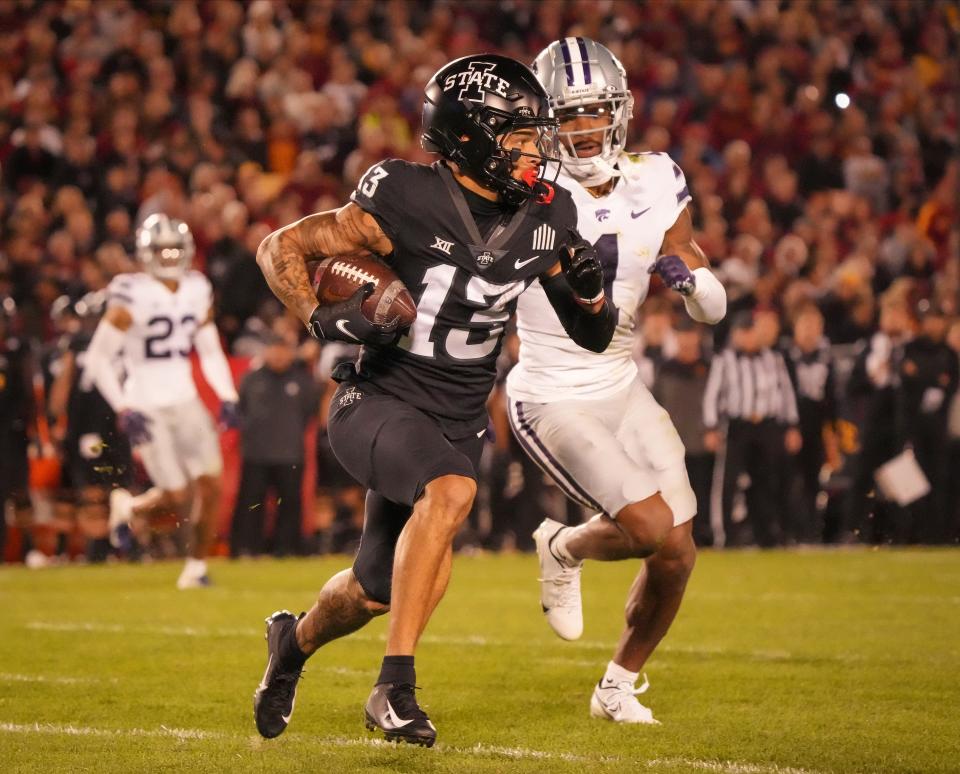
(819, 140)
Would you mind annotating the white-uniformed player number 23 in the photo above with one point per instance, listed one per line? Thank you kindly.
(490, 316)
(168, 337)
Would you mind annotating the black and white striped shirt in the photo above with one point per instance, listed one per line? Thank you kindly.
(749, 386)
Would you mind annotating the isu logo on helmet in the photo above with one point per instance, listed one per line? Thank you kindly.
(476, 79)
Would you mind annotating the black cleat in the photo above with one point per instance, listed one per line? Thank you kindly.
(277, 692)
(393, 708)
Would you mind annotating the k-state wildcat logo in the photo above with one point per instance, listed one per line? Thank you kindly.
(475, 80)
(602, 215)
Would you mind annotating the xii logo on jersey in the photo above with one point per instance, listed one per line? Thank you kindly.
(442, 245)
(544, 237)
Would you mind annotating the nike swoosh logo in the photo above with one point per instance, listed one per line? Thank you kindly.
(518, 264)
(391, 717)
(342, 327)
(636, 215)
(286, 718)
(263, 680)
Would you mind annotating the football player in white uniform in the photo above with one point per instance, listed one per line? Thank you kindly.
(155, 319)
(586, 418)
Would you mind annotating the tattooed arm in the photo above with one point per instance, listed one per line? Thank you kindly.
(283, 255)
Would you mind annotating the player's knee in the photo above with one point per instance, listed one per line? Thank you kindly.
(208, 487)
(380, 585)
(646, 524)
(450, 498)
(177, 498)
(678, 555)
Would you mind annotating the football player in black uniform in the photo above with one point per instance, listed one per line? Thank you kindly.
(466, 235)
(96, 455)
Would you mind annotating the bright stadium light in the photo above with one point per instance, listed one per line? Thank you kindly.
(842, 100)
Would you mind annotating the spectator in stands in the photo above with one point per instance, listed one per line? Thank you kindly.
(277, 402)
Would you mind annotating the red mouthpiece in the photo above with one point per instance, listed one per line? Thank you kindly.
(543, 192)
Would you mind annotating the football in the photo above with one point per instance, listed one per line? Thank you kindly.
(338, 278)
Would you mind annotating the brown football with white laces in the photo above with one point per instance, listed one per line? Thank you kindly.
(338, 278)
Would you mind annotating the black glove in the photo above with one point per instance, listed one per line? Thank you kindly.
(581, 267)
(345, 321)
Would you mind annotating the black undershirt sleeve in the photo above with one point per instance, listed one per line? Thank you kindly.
(590, 331)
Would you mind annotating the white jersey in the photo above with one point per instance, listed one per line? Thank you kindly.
(627, 227)
(157, 346)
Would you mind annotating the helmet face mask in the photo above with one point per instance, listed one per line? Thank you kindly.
(487, 114)
(165, 246)
(584, 79)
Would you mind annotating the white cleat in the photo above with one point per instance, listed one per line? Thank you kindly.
(37, 560)
(194, 575)
(120, 513)
(618, 702)
(559, 585)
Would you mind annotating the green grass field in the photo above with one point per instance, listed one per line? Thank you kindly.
(778, 662)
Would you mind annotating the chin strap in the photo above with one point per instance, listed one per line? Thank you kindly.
(593, 171)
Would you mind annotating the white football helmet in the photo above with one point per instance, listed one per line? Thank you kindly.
(584, 78)
(164, 246)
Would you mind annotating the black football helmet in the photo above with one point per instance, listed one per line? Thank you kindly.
(470, 104)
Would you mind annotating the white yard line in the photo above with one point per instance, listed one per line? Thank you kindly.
(8, 677)
(479, 750)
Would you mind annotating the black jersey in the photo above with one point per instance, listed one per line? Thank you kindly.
(15, 399)
(87, 410)
(465, 285)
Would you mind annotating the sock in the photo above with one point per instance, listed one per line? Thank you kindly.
(61, 543)
(290, 654)
(558, 547)
(97, 550)
(616, 674)
(397, 669)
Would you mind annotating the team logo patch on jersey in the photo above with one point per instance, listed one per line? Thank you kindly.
(602, 215)
(442, 245)
(350, 396)
(544, 237)
(484, 256)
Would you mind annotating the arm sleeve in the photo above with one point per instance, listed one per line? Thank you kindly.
(213, 363)
(708, 302)
(591, 331)
(106, 344)
(384, 191)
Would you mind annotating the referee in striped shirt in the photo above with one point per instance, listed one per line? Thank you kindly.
(749, 393)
